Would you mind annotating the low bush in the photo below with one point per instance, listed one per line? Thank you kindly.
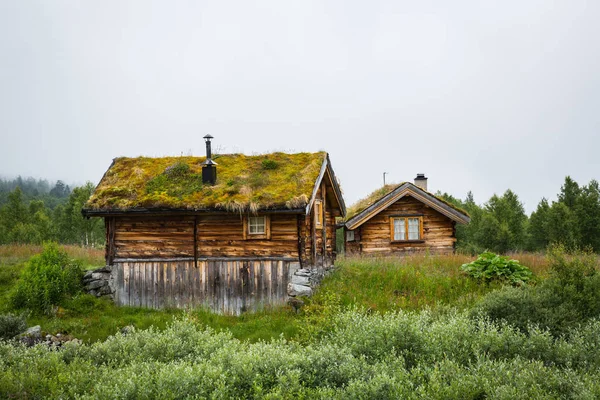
(396, 355)
(47, 280)
(491, 267)
(569, 297)
(11, 325)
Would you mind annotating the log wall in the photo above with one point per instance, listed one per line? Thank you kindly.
(373, 237)
(226, 286)
(216, 236)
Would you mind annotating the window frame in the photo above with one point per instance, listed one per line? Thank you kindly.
(348, 234)
(406, 217)
(249, 235)
(318, 208)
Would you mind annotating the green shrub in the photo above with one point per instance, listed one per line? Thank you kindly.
(490, 267)
(363, 357)
(568, 298)
(48, 279)
(11, 325)
(269, 164)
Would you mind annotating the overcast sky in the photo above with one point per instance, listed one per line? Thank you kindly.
(478, 95)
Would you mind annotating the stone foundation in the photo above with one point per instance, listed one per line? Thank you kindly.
(99, 282)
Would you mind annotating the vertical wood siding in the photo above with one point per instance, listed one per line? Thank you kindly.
(223, 286)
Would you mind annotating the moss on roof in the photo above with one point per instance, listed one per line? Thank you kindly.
(244, 183)
(383, 191)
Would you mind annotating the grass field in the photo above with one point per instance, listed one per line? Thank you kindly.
(377, 284)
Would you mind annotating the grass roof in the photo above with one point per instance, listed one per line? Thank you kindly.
(378, 194)
(244, 183)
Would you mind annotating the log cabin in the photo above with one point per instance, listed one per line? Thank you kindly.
(225, 232)
(396, 219)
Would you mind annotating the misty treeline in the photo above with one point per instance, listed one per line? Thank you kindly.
(501, 224)
(33, 211)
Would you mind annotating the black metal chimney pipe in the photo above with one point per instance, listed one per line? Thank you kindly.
(209, 167)
(208, 138)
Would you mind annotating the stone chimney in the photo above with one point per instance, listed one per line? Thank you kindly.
(209, 167)
(421, 181)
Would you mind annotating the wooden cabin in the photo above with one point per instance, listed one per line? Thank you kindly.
(226, 232)
(402, 218)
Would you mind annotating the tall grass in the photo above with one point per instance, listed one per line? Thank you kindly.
(413, 281)
(16, 253)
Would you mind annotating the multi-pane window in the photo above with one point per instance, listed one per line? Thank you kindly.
(399, 228)
(413, 228)
(406, 228)
(257, 225)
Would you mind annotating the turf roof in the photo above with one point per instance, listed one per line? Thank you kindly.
(244, 183)
(378, 194)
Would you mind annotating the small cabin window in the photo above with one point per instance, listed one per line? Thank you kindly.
(349, 236)
(318, 213)
(406, 228)
(257, 225)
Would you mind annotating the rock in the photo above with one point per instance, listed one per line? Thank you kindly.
(101, 275)
(105, 290)
(127, 329)
(106, 268)
(95, 285)
(300, 280)
(298, 290)
(58, 335)
(34, 332)
(295, 303)
(88, 275)
(303, 272)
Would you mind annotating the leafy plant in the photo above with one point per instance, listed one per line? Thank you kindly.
(568, 298)
(490, 267)
(48, 279)
(11, 325)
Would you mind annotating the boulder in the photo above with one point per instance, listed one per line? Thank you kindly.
(34, 332)
(298, 290)
(300, 280)
(95, 285)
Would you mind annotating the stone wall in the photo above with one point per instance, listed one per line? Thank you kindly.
(305, 280)
(99, 282)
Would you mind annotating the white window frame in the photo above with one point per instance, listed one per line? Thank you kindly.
(253, 221)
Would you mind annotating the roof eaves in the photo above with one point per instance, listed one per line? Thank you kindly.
(400, 192)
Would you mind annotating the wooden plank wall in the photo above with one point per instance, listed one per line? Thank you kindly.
(223, 286)
(373, 237)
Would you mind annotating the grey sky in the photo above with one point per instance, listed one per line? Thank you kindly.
(478, 95)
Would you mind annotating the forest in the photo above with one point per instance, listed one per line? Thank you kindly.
(33, 211)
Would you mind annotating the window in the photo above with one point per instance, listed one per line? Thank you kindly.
(406, 228)
(257, 225)
(318, 213)
(349, 236)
